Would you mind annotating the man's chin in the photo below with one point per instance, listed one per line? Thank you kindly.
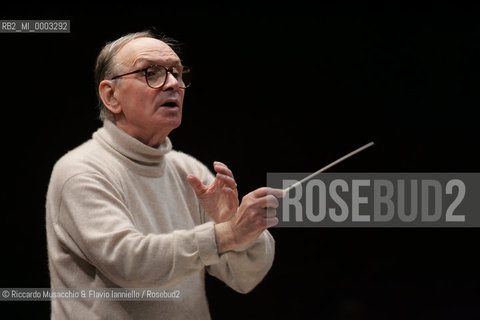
(169, 123)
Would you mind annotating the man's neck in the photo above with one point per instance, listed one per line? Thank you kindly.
(151, 138)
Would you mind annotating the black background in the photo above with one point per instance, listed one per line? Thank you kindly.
(277, 88)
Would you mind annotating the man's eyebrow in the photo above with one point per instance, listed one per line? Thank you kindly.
(141, 61)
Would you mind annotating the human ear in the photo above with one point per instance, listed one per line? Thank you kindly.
(106, 90)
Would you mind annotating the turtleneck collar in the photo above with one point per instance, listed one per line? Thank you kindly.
(138, 156)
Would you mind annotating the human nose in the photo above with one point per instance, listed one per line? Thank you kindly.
(171, 82)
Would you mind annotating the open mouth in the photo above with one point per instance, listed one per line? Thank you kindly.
(170, 104)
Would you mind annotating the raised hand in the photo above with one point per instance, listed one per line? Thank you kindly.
(256, 213)
(220, 199)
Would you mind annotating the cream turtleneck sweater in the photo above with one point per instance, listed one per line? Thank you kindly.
(122, 214)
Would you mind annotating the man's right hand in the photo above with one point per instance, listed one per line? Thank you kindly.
(256, 213)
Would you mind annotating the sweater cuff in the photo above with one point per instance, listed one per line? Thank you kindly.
(207, 245)
(260, 238)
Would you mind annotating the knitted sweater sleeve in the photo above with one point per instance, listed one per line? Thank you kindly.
(242, 269)
(94, 223)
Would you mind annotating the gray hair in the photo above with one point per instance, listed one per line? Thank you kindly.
(106, 64)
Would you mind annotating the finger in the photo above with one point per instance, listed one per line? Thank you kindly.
(222, 168)
(269, 201)
(196, 184)
(270, 222)
(227, 181)
(219, 163)
(232, 194)
(262, 192)
(270, 213)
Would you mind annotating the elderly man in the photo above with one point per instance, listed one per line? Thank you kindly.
(124, 210)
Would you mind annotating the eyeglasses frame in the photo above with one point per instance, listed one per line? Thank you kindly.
(144, 70)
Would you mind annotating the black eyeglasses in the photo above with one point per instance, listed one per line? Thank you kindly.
(156, 75)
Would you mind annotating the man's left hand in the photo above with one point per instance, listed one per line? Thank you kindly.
(220, 199)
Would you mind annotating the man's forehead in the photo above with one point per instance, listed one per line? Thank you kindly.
(146, 49)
